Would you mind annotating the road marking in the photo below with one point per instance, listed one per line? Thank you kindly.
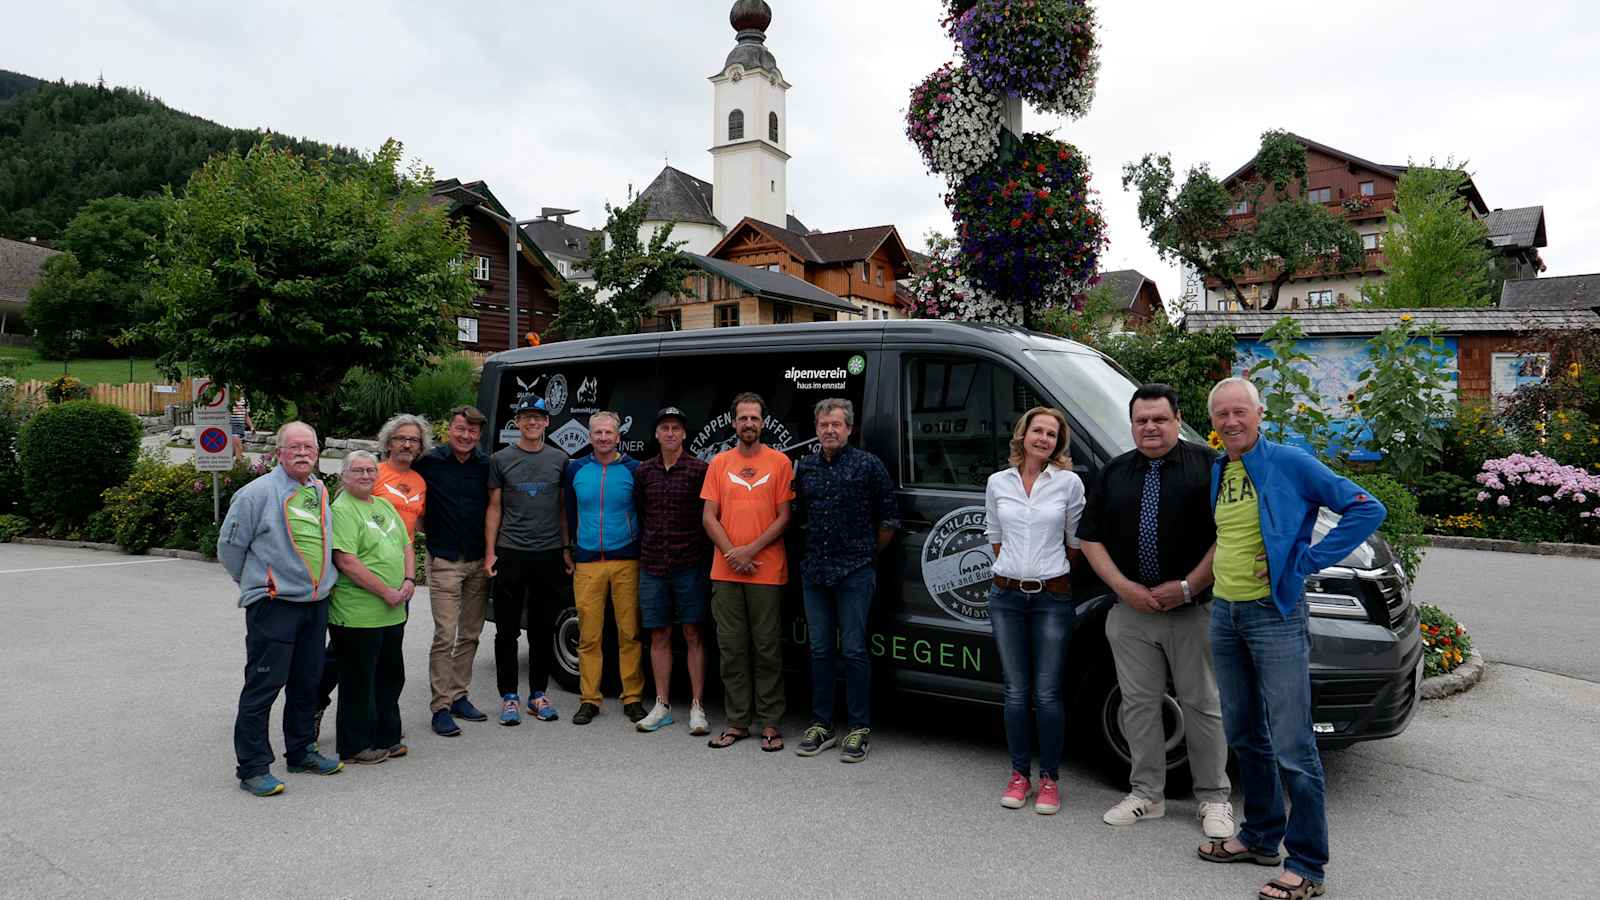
(135, 562)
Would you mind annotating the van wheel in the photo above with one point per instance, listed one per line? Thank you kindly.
(565, 636)
(1099, 710)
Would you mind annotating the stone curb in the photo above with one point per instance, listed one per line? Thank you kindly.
(1462, 678)
(1580, 551)
(113, 548)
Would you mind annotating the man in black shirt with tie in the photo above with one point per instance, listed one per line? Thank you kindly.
(1148, 532)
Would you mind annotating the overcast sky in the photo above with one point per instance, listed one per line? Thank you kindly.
(567, 103)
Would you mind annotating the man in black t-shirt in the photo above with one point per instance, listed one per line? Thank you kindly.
(522, 532)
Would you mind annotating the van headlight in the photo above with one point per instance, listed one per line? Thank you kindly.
(1335, 593)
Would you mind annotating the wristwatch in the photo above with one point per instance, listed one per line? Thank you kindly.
(1187, 597)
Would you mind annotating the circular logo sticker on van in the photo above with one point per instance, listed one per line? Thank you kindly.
(957, 562)
(856, 365)
(555, 394)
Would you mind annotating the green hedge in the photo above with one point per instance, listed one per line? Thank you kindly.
(70, 453)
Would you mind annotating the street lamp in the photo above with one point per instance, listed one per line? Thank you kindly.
(514, 228)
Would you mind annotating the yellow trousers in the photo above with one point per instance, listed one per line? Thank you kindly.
(590, 583)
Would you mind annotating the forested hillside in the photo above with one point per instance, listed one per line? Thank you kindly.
(62, 145)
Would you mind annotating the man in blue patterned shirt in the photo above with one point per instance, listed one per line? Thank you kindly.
(845, 502)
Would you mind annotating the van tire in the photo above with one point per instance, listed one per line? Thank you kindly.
(1097, 717)
(565, 637)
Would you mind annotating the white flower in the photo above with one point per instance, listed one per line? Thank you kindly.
(1399, 437)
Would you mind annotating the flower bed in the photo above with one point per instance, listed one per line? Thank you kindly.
(1041, 50)
(1535, 498)
(1445, 643)
(954, 122)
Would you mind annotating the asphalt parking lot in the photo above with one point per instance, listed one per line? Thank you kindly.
(116, 767)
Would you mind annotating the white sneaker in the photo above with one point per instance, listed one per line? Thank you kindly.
(697, 721)
(1134, 808)
(659, 717)
(1217, 820)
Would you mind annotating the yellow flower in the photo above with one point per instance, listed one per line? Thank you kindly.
(1566, 435)
(1538, 426)
(1215, 440)
(1574, 370)
(1405, 317)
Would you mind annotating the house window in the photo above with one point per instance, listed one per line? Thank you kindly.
(727, 315)
(1242, 208)
(1369, 242)
(466, 329)
(671, 319)
(561, 266)
(772, 127)
(480, 268)
(782, 314)
(1315, 299)
(736, 125)
(1320, 195)
(878, 276)
(823, 317)
(866, 271)
(773, 267)
(1367, 188)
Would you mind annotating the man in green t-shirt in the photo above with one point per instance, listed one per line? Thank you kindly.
(367, 618)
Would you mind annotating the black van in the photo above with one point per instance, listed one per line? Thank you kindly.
(936, 401)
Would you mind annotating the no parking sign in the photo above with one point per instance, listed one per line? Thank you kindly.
(213, 451)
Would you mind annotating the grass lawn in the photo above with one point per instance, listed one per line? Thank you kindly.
(89, 371)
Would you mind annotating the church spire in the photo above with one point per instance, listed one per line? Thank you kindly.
(750, 19)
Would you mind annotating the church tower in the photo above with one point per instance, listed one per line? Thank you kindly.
(750, 128)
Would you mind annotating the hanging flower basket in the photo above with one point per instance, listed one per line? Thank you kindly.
(942, 292)
(1041, 50)
(1027, 224)
(954, 122)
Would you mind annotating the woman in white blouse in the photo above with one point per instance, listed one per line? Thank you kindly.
(1033, 509)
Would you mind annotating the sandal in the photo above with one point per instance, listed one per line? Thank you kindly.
(772, 743)
(1218, 852)
(727, 738)
(1305, 889)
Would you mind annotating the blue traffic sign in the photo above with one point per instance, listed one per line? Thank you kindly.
(214, 440)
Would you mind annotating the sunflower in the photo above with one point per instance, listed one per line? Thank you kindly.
(1215, 440)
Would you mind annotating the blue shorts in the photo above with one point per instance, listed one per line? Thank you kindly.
(681, 598)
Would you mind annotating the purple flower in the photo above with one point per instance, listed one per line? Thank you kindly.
(1504, 500)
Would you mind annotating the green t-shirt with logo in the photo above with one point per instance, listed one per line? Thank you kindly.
(1238, 538)
(305, 526)
(373, 533)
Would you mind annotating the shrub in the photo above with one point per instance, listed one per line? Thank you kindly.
(1403, 528)
(72, 452)
(436, 391)
(1535, 498)
(364, 402)
(63, 388)
(12, 527)
(10, 469)
(1189, 361)
(1444, 494)
(165, 505)
(1445, 643)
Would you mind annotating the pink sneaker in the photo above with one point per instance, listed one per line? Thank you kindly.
(1016, 791)
(1048, 802)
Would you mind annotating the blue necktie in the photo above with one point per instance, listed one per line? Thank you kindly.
(1149, 506)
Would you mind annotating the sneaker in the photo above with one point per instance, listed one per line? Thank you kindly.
(315, 763)
(444, 725)
(1016, 793)
(854, 748)
(1132, 808)
(585, 714)
(368, 757)
(1217, 820)
(398, 750)
(1048, 800)
(464, 709)
(817, 738)
(634, 711)
(262, 785)
(540, 707)
(660, 717)
(509, 713)
(698, 725)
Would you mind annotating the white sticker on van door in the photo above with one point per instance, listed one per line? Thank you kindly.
(570, 437)
(957, 562)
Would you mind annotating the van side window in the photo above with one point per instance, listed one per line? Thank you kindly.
(956, 419)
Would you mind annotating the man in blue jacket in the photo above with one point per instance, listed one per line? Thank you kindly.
(277, 546)
(1265, 497)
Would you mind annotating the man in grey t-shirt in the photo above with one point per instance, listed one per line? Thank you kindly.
(522, 532)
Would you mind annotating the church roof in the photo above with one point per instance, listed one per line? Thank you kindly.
(677, 196)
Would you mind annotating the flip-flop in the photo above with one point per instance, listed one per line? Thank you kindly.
(1219, 853)
(726, 739)
(771, 743)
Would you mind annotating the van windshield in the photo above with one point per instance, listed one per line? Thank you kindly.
(1099, 390)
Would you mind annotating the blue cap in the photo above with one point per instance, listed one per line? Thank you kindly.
(531, 404)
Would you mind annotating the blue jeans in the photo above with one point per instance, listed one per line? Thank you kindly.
(1262, 659)
(841, 609)
(1032, 632)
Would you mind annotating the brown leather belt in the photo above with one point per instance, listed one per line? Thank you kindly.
(1060, 584)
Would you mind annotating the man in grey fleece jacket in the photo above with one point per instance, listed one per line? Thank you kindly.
(276, 543)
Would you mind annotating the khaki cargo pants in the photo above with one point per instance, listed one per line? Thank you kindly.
(459, 593)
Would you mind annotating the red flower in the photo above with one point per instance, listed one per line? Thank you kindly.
(1061, 155)
(1049, 210)
(1040, 170)
(1016, 223)
(1446, 641)
(1042, 193)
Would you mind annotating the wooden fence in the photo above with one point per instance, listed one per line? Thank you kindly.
(140, 399)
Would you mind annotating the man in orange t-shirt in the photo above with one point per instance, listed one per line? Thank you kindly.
(747, 493)
(402, 441)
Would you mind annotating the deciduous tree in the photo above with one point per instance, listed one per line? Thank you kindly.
(628, 275)
(1437, 251)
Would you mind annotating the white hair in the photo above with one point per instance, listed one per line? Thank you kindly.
(352, 456)
(398, 422)
(1235, 381)
(616, 420)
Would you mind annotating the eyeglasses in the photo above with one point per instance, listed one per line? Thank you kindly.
(363, 470)
(405, 440)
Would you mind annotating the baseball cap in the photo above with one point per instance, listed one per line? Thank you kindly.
(672, 412)
(532, 404)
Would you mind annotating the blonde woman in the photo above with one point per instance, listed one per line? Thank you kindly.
(1033, 509)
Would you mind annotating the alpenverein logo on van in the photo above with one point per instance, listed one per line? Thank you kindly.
(817, 379)
(957, 563)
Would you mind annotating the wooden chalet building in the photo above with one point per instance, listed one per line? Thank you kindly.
(1138, 298)
(860, 265)
(486, 328)
(728, 294)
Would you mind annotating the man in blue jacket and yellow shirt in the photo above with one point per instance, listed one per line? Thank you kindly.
(604, 558)
(1266, 497)
(277, 546)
